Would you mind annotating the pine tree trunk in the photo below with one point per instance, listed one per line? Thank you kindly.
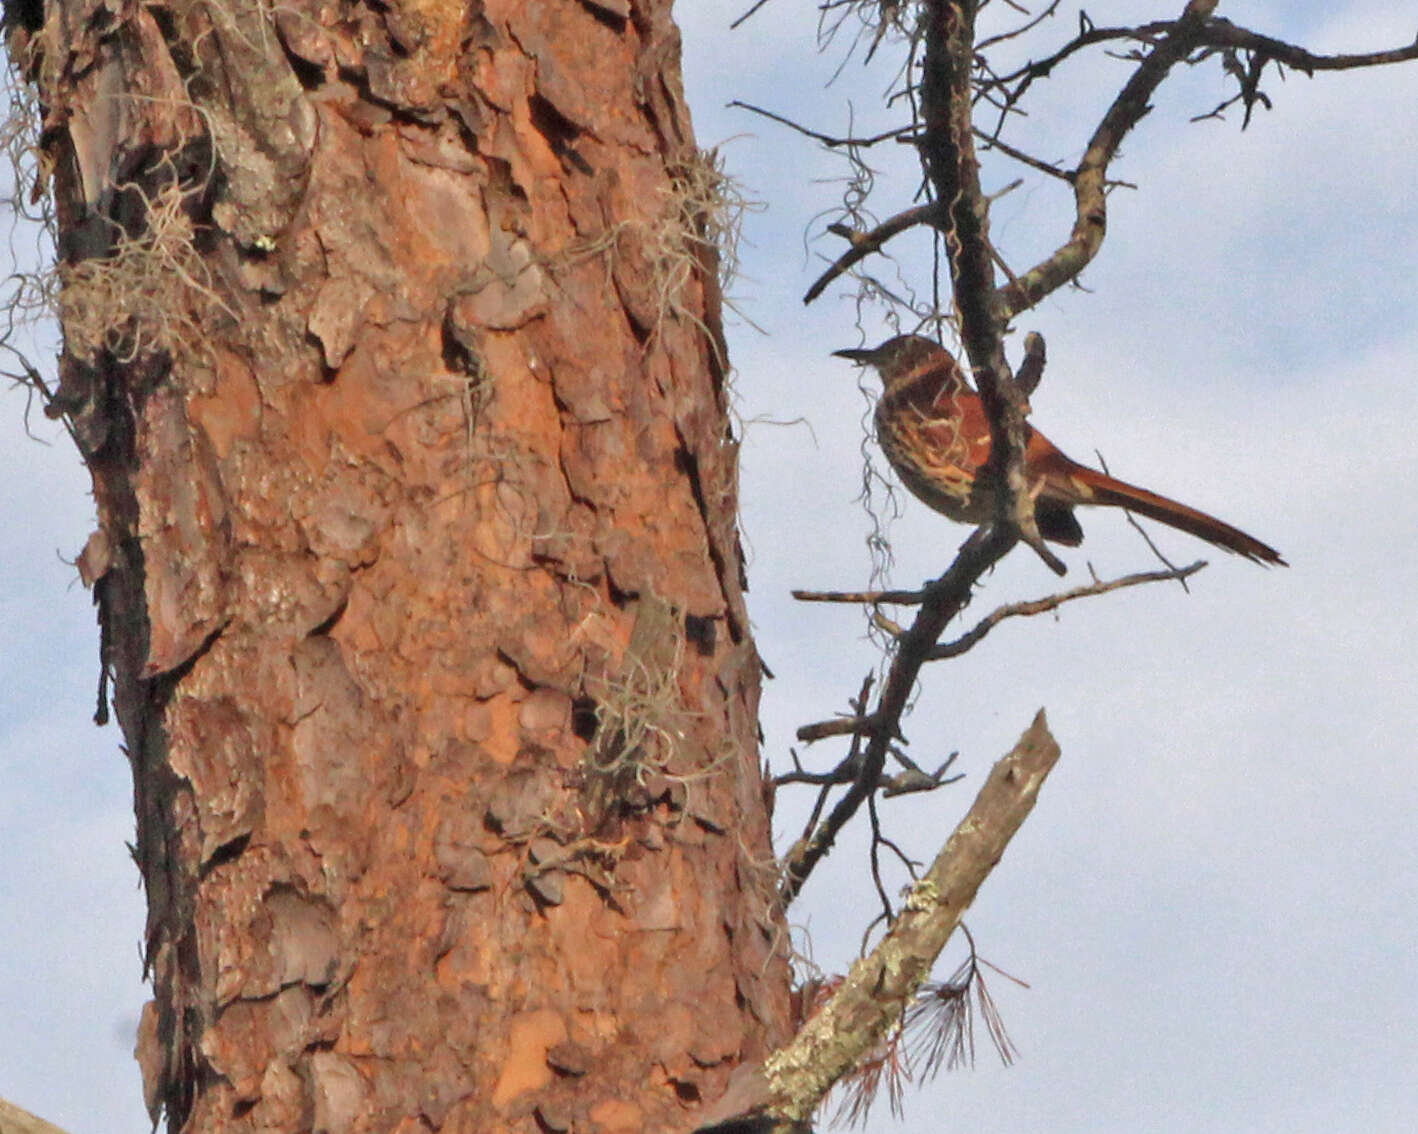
(392, 344)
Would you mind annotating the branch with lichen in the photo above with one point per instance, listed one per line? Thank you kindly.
(872, 998)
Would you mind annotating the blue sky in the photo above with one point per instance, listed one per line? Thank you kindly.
(1213, 902)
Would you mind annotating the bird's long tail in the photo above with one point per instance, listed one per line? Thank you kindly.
(1094, 487)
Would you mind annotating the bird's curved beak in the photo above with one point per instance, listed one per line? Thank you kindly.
(858, 355)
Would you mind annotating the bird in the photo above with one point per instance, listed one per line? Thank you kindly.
(933, 429)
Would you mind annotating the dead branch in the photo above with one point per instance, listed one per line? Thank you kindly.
(1170, 43)
(1014, 85)
(1090, 197)
(911, 779)
(15, 1120)
(872, 998)
(944, 600)
(959, 209)
(831, 141)
(837, 726)
(849, 769)
(901, 598)
(1220, 33)
(1053, 602)
(937, 1030)
(863, 244)
(1015, 33)
(994, 142)
(1161, 44)
(745, 16)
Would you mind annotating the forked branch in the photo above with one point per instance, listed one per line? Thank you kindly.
(944, 599)
(1170, 43)
(1089, 188)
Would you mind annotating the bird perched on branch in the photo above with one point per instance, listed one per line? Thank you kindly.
(933, 429)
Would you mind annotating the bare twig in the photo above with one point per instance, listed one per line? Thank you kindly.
(1053, 602)
(902, 598)
(887, 912)
(746, 15)
(831, 141)
(994, 142)
(945, 598)
(1015, 33)
(863, 244)
(1143, 532)
(913, 778)
(794, 864)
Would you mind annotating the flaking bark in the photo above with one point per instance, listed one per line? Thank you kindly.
(419, 575)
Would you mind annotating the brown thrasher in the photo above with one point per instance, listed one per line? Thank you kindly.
(933, 429)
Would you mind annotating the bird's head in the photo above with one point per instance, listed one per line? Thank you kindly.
(902, 359)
